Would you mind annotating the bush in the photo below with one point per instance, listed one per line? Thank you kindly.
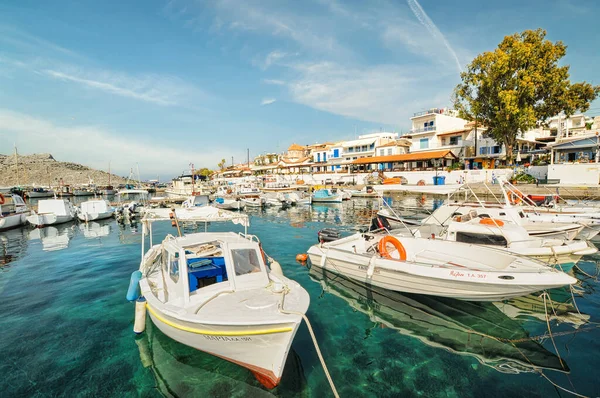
(524, 178)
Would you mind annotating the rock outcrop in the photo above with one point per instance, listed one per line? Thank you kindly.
(41, 169)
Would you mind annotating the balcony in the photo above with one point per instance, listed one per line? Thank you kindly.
(419, 130)
(438, 111)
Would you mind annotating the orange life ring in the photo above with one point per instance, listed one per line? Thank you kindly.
(302, 257)
(491, 221)
(394, 242)
(514, 198)
(2, 200)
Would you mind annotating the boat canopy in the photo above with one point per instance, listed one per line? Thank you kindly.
(199, 214)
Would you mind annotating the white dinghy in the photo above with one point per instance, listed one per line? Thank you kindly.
(51, 212)
(436, 267)
(95, 209)
(13, 211)
(214, 292)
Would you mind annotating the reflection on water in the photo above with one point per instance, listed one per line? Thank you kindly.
(96, 229)
(54, 237)
(13, 244)
(475, 329)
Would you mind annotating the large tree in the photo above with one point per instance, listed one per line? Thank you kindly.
(221, 164)
(520, 84)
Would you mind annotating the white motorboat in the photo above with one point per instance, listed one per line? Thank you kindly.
(214, 292)
(129, 211)
(229, 204)
(277, 199)
(247, 189)
(326, 196)
(298, 198)
(366, 192)
(195, 201)
(52, 211)
(13, 211)
(95, 209)
(39, 193)
(507, 236)
(253, 202)
(436, 267)
(508, 213)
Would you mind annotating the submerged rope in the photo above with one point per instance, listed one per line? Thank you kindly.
(314, 339)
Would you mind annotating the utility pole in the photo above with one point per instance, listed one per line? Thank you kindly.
(232, 161)
(475, 139)
(248, 151)
(17, 165)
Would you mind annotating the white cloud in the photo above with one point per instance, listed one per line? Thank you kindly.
(156, 89)
(267, 101)
(381, 93)
(95, 147)
(274, 82)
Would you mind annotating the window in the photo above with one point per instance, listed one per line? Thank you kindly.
(325, 157)
(481, 239)
(495, 149)
(389, 151)
(174, 267)
(424, 143)
(350, 149)
(381, 152)
(364, 148)
(372, 146)
(245, 261)
(318, 157)
(455, 140)
(483, 150)
(336, 153)
(443, 140)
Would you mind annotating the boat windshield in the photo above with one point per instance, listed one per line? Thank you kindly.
(245, 261)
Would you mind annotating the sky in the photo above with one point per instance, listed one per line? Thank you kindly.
(162, 84)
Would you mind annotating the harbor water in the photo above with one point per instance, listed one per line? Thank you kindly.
(67, 327)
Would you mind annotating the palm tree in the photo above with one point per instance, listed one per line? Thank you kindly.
(221, 164)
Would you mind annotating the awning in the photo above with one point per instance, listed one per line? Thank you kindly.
(407, 157)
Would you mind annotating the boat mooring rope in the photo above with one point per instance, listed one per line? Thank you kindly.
(314, 339)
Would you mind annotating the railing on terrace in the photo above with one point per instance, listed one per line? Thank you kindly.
(422, 129)
(438, 111)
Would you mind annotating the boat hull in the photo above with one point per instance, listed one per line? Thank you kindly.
(47, 194)
(13, 221)
(462, 285)
(263, 354)
(41, 220)
(331, 199)
(95, 216)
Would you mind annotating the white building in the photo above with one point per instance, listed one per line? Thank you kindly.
(365, 145)
(437, 128)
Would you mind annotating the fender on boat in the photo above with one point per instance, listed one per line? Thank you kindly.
(140, 316)
(133, 292)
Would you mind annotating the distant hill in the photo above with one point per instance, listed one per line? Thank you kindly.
(43, 169)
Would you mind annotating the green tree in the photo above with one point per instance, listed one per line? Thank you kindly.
(519, 84)
(221, 164)
(204, 172)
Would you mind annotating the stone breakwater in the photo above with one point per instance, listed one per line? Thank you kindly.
(42, 169)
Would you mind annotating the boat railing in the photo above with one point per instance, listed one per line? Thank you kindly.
(250, 237)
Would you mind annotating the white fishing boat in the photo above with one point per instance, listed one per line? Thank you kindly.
(52, 211)
(326, 196)
(507, 236)
(247, 189)
(253, 202)
(229, 204)
(366, 192)
(298, 198)
(13, 211)
(436, 267)
(84, 191)
(214, 292)
(276, 199)
(39, 193)
(107, 190)
(95, 209)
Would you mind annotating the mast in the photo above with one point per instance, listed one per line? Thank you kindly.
(109, 173)
(193, 179)
(17, 165)
(137, 165)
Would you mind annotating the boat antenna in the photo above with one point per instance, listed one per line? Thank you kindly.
(384, 204)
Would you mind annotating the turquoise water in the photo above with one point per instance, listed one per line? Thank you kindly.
(67, 328)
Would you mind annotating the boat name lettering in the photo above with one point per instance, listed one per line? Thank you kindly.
(226, 338)
(366, 268)
(468, 274)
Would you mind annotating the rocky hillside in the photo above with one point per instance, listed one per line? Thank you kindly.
(43, 169)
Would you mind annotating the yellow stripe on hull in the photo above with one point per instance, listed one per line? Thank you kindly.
(213, 333)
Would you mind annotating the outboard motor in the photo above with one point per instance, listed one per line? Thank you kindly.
(378, 223)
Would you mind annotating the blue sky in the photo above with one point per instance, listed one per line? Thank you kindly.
(165, 83)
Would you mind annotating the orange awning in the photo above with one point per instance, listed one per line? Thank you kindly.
(407, 157)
